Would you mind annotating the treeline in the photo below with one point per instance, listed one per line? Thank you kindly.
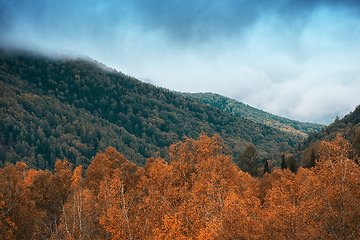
(200, 194)
(73, 108)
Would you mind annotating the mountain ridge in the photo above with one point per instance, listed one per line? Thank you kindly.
(73, 108)
(347, 127)
(238, 108)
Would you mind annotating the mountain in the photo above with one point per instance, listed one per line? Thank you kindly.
(72, 108)
(240, 109)
(348, 127)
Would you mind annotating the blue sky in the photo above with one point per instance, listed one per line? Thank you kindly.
(294, 58)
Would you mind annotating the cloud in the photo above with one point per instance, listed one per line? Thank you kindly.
(204, 20)
(189, 21)
(287, 57)
(179, 20)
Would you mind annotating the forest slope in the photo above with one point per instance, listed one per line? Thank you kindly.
(240, 109)
(348, 127)
(73, 108)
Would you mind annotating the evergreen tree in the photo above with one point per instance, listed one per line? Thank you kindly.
(266, 166)
(283, 163)
(249, 161)
(291, 163)
(312, 158)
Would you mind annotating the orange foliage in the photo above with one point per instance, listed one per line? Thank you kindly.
(17, 210)
(124, 213)
(200, 194)
(203, 187)
(339, 189)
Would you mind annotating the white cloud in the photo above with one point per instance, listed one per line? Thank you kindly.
(304, 69)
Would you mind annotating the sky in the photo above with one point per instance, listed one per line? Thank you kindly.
(299, 59)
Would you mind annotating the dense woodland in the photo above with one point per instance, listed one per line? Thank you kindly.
(348, 127)
(199, 194)
(131, 169)
(72, 108)
(240, 109)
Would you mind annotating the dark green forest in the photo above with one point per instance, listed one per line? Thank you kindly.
(243, 110)
(72, 108)
(87, 152)
(347, 127)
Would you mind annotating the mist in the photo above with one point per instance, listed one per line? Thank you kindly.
(297, 59)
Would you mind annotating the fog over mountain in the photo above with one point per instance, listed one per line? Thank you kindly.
(297, 59)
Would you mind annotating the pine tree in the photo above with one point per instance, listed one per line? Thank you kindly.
(283, 163)
(249, 161)
(266, 166)
(291, 163)
(312, 158)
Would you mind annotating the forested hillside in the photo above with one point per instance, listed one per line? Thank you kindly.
(73, 108)
(347, 127)
(240, 109)
(199, 194)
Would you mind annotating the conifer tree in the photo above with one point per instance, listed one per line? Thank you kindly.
(291, 163)
(283, 163)
(312, 158)
(249, 161)
(266, 166)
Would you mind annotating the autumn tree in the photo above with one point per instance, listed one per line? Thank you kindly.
(103, 166)
(184, 191)
(162, 199)
(290, 206)
(206, 194)
(102, 169)
(18, 213)
(124, 213)
(339, 184)
(242, 210)
(76, 219)
(198, 194)
(50, 192)
(279, 212)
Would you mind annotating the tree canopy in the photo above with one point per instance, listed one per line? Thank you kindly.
(199, 194)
